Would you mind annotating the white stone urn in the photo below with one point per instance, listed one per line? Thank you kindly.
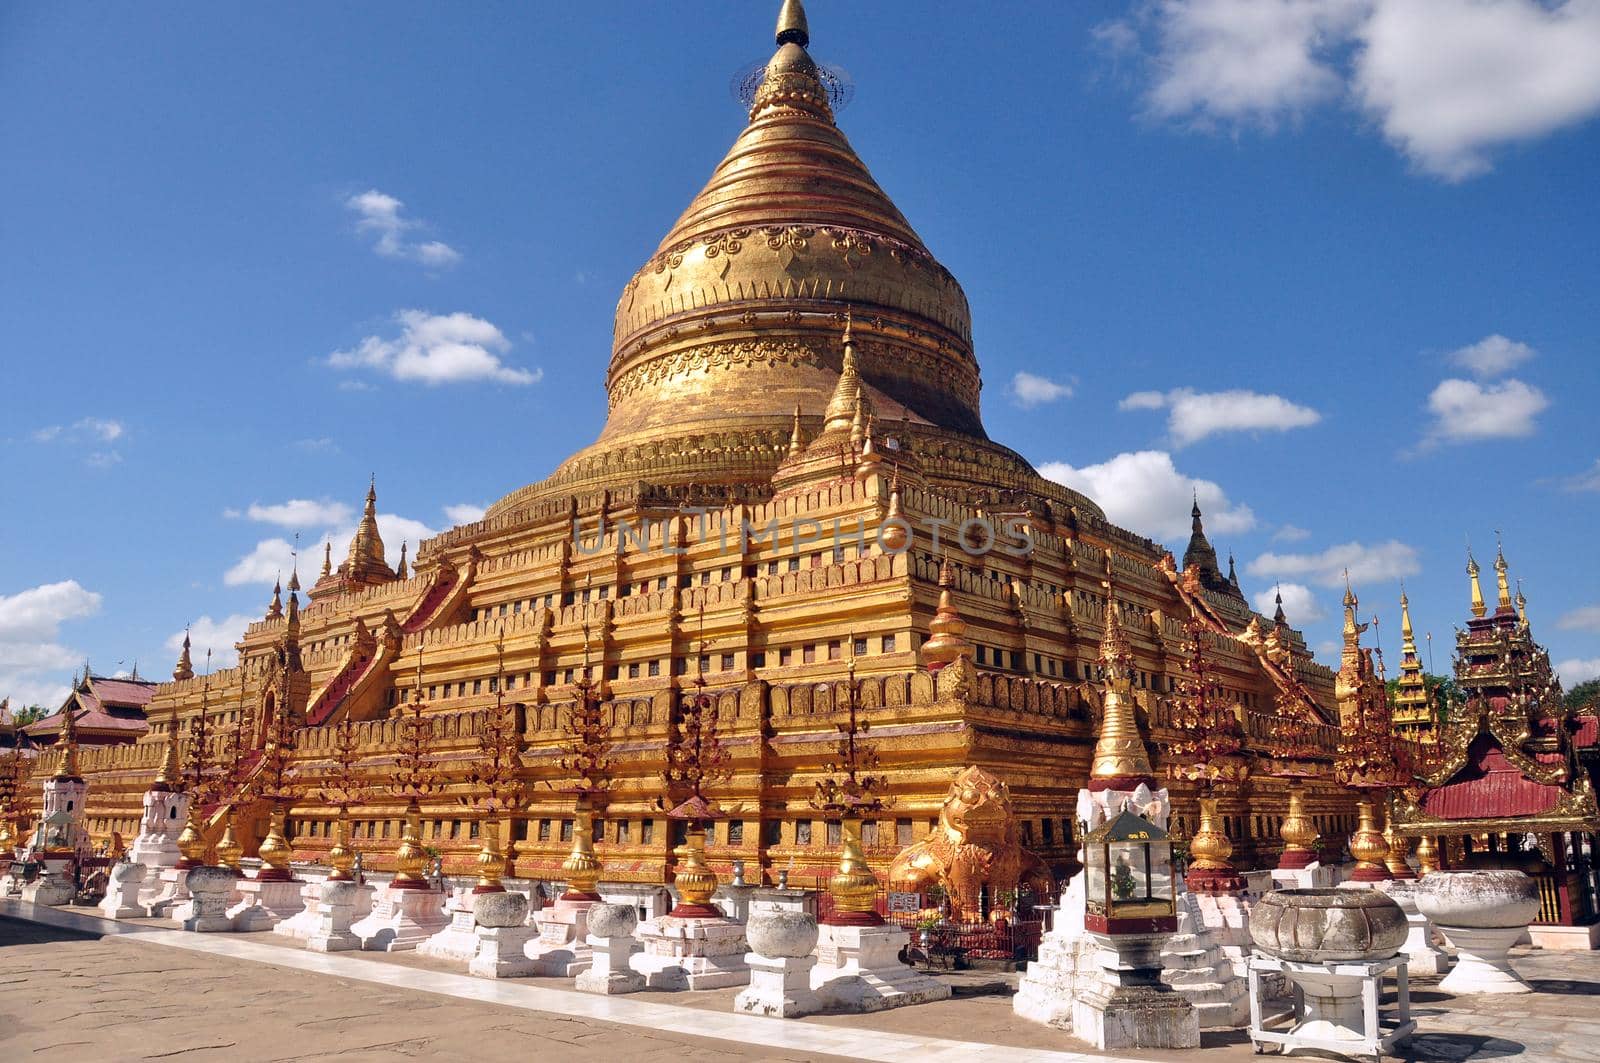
(1312, 930)
(499, 910)
(782, 935)
(613, 920)
(1481, 914)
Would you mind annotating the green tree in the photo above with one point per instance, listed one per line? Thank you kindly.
(31, 714)
(1585, 693)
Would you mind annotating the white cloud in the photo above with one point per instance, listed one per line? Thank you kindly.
(383, 216)
(437, 349)
(1290, 533)
(1451, 80)
(1577, 670)
(1300, 604)
(103, 459)
(1490, 356)
(1144, 492)
(1030, 390)
(1588, 480)
(30, 625)
(298, 513)
(465, 513)
(271, 560)
(1377, 563)
(91, 430)
(1447, 81)
(1465, 410)
(1194, 415)
(1584, 618)
(218, 636)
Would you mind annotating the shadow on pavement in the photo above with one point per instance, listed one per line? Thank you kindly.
(1562, 985)
(24, 932)
(1446, 1047)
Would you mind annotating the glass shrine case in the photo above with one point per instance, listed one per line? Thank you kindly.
(1128, 880)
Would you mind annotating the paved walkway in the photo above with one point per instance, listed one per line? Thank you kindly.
(76, 984)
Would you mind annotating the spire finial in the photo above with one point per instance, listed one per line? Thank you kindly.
(327, 559)
(400, 570)
(796, 440)
(849, 399)
(275, 607)
(792, 24)
(1278, 616)
(185, 667)
(1478, 608)
(1502, 586)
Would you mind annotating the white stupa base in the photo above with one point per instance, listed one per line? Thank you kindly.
(859, 969)
(301, 924)
(263, 905)
(692, 953)
(401, 919)
(206, 910)
(122, 892)
(1124, 1004)
(168, 891)
(457, 942)
(339, 904)
(53, 887)
(780, 988)
(501, 952)
(1482, 963)
(612, 971)
(561, 949)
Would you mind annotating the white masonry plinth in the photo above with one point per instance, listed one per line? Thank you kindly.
(1482, 961)
(780, 987)
(501, 952)
(300, 925)
(263, 905)
(1313, 876)
(458, 942)
(401, 919)
(163, 894)
(339, 904)
(1124, 1004)
(859, 969)
(1195, 964)
(54, 886)
(211, 893)
(1044, 992)
(612, 971)
(562, 948)
(122, 892)
(692, 953)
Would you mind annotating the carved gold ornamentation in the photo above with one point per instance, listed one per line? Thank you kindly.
(228, 849)
(341, 857)
(1298, 832)
(695, 880)
(1427, 855)
(274, 851)
(410, 858)
(1368, 847)
(581, 868)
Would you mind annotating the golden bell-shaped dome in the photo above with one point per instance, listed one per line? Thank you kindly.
(736, 321)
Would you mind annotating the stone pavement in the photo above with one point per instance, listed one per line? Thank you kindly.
(257, 997)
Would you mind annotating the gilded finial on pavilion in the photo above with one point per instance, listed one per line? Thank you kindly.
(792, 24)
(168, 777)
(1405, 615)
(947, 631)
(1120, 756)
(366, 562)
(400, 569)
(327, 560)
(1502, 583)
(1478, 608)
(858, 429)
(1278, 617)
(275, 607)
(185, 667)
(1522, 604)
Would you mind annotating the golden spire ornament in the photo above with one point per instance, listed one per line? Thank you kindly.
(184, 669)
(343, 788)
(1121, 760)
(412, 779)
(68, 766)
(275, 607)
(197, 778)
(1479, 609)
(1502, 584)
(1207, 753)
(797, 441)
(852, 792)
(946, 641)
(695, 759)
(496, 777)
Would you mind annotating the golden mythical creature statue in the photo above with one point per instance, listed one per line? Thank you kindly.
(974, 846)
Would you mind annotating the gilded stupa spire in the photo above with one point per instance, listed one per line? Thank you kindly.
(1478, 608)
(792, 26)
(400, 569)
(947, 640)
(68, 768)
(275, 607)
(1502, 582)
(366, 565)
(168, 777)
(1120, 756)
(1278, 618)
(848, 403)
(327, 560)
(1406, 635)
(1522, 604)
(797, 441)
(185, 667)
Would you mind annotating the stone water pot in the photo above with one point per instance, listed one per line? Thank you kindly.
(1327, 925)
(1481, 914)
(781, 935)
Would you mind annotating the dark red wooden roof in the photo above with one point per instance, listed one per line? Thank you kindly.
(1491, 786)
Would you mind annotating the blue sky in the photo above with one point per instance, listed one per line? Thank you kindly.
(251, 256)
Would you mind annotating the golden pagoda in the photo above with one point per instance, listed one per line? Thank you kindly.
(1415, 715)
(792, 372)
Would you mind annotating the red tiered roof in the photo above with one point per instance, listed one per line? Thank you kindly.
(1491, 786)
